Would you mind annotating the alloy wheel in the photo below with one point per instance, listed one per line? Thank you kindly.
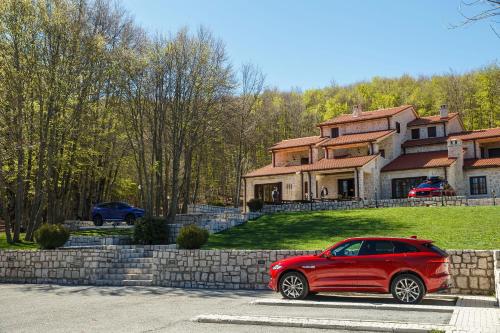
(292, 286)
(407, 290)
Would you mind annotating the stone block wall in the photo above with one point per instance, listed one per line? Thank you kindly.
(79, 241)
(63, 266)
(228, 269)
(384, 203)
(472, 272)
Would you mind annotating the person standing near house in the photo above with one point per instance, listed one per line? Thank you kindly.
(275, 194)
(324, 192)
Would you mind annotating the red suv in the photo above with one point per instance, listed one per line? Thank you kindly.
(432, 188)
(406, 267)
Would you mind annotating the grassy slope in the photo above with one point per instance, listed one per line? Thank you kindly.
(449, 227)
(18, 246)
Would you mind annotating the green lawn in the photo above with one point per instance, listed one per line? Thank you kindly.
(449, 227)
(18, 246)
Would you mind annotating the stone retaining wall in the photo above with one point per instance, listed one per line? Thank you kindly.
(63, 266)
(79, 241)
(359, 204)
(472, 270)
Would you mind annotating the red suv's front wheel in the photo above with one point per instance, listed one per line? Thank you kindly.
(293, 285)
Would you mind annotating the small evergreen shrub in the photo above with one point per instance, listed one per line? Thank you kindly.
(192, 237)
(51, 236)
(255, 205)
(150, 231)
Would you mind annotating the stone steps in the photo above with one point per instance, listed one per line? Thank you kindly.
(133, 268)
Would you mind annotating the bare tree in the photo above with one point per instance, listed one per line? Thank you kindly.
(480, 10)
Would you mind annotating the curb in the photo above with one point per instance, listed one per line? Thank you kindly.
(320, 323)
(343, 305)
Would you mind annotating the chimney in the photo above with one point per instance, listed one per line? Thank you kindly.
(455, 149)
(443, 111)
(356, 111)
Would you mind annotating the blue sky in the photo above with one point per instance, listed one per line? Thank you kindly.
(308, 44)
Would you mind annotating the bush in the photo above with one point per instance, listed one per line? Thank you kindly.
(51, 236)
(255, 204)
(151, 231)
(192, 237)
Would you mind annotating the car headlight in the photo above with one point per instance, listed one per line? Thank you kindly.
(278, 266)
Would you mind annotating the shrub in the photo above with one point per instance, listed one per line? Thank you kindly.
(255, 204)
(151, 231)
(192, 237)
(51, 236)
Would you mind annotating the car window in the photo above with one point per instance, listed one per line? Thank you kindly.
(105, 205)
(120, 205)
(401, 247)
(347, 249)
(376, 247)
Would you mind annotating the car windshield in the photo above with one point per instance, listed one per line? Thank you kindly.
(429, 185)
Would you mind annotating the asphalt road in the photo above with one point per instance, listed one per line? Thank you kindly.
(48, 308)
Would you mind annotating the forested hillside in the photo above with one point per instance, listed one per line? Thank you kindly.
(92, 109)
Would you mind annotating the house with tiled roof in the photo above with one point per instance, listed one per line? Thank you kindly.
(380, 154)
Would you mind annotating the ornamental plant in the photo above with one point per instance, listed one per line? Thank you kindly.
(192, 237)
(51, 236)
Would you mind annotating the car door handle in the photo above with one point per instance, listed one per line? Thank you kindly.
(350, 262)
(389, 260)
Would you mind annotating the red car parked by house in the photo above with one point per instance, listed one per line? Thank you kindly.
(433, 187)
(406, 267)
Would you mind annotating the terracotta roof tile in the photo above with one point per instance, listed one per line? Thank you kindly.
(297, 142)
(424, 142)
(478, 134)
(339, 163)
(432, 159)
(369, 115)
(431, 120)
(482, 163)
(323, 164)
(354, 138)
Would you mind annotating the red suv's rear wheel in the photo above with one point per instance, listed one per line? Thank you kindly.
(408, 288)
(293, 285)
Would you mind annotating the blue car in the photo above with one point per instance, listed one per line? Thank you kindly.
(115, 211)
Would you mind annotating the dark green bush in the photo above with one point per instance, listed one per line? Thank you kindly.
(192, 237)
(255, 205)
(151, 231)
(51, 236)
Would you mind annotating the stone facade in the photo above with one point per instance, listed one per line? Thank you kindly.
(492, 180)
(473, 271)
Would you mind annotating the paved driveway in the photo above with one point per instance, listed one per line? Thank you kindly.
(47, 308)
